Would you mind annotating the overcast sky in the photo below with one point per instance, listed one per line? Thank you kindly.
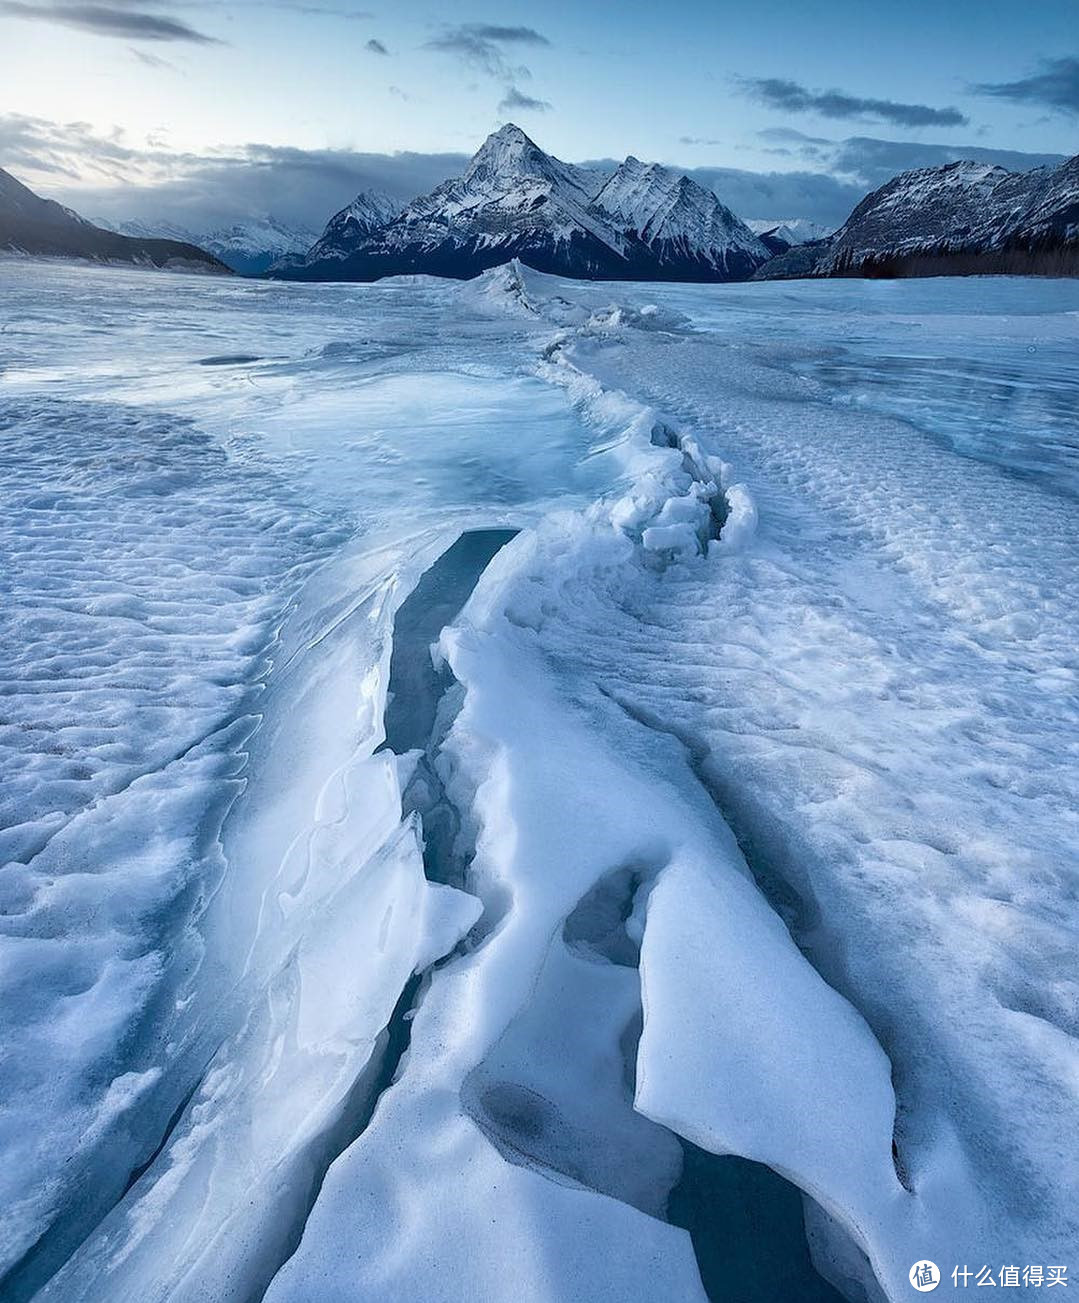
(202, 110)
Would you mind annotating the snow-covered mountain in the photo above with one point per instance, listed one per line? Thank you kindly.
(962, 218)
(253, 245)
(347, 230)
(249, 246)
(644, 222)
(779, 236)
(32, 225)
(684, 225)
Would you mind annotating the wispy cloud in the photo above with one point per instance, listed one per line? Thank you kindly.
(317, 11)
(375, 46)
(485, 45)
(516, 100)
(793, 134)
(151, 60)
(1055, 85)
(108, 20)
(792, 97)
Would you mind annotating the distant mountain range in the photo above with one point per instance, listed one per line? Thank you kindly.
(32, 225)
(960, 219)
(643, 222)
(250, 246)
(778, 237)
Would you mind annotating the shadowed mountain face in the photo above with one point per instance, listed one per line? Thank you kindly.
(961, 219)
(30, 224)
(644, 222)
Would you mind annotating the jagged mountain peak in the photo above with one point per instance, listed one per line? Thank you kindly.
(356, 222)
(370, 209)
(509, 135)
(507, 150)
(509, 157)
(664, 207)
(644, 221)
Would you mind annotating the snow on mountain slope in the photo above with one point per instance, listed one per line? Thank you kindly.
(791, 230)
(508, 158)
(249, 246)
(679, 221)
(963, 217)
(141, 229)
(514, 200)
(253, 245)
(348, 228)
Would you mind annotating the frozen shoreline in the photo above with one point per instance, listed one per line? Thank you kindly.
(846, 656)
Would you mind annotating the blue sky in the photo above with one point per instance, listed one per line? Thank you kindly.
(245, 106)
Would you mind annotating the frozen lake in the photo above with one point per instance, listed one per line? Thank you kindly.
(494, 773)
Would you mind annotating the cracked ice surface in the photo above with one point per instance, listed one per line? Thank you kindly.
(759, 735)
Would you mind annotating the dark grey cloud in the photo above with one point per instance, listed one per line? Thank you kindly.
(374, 46)
(516, 100)
(870, 161)
(792, 97)
(866, 162)
(108, 20)
(112, 177)
(773, 196)
(876, 161)
(484, 46)
(1055, 86)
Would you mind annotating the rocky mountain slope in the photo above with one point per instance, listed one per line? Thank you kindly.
(32, 225)
(347, 230)
(644, 222)
(961, 219)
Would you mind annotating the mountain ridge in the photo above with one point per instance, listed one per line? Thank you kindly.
(247, 245)
(963, 218)
(513, 200)
(32, 225)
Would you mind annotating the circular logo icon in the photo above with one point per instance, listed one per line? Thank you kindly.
(924, 1276)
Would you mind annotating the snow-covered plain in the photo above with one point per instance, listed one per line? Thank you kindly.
(693, 914)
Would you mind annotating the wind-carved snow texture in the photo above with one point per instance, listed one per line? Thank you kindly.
(527, 895)
(140, 613)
